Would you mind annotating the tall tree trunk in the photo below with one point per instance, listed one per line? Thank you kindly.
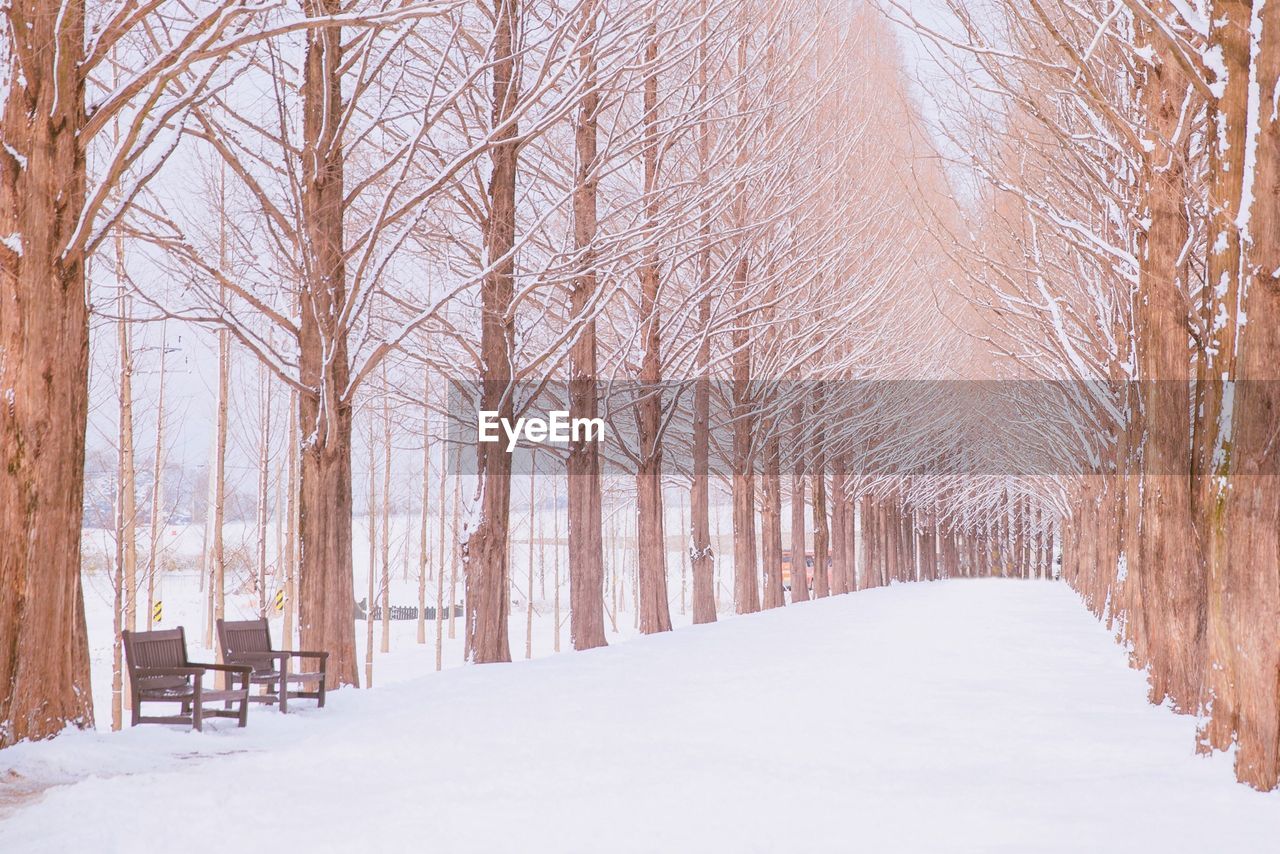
(555, 563)
(1229, 37)
(821, 529)
(654, 612)
(117, 629)
(157, 484)
(887, 542)
(1244, 561)
(264, 486)
(324, 411)
(867, 577)
(371, 516)
(442, 559)
(424, 540)
(701, 554)
(533, 536)
(929, 548)
(851, 542)
(127, 482)
(771, 525)
(1018, 529)
(586, 548)
(291, 528)
(485, 549)
(839, 507)
(652, 607)
(125, 576)
(455, 553)
(799, 574)
(746, 586)
(385, 580)
(217, 556)
(44, 377)
(910, 543)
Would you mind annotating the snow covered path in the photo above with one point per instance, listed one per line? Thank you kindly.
(979, 716)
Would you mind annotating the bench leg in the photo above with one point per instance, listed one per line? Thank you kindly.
(197, 708)
(283, 695)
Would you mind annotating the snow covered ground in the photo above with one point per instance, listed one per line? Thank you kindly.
(954, 716)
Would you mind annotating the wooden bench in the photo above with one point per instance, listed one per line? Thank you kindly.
(160, 672)
(248, 642)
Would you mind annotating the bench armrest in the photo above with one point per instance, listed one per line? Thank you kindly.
(281, 655)
(302, 653)
(191, 670)
(242, 670)
(227, 668)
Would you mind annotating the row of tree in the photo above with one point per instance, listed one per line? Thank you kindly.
(1127, 156)
(684, 212)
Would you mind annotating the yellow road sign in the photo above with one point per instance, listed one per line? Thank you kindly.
(157, 613)
(280, 599)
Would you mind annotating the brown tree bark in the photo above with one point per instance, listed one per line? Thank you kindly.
(892, 545)
(586, 548)
(384, 581)
(701, 554)
(799, 575)
(293, 487)
(1228, 35)
(870, 532)
(44, 377)
(126, 492)
(906, 543)
(485, 550)
(841, 530)
(651, 582)
(771, 524)
(836, 545)
(442, 559)
(264, 486)
(746, 588)
(127, 484)
(325, 583)
(371, 593)
(928, 548)
(851, 541)
(821, 526)
(157, 486)
(1017, 524)
(533, 537)
(1167, 564)
(424, 540)
(216, 556)
(1244, 576)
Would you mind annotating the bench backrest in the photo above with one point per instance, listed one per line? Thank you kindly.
(240, 639)
(166, 648)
